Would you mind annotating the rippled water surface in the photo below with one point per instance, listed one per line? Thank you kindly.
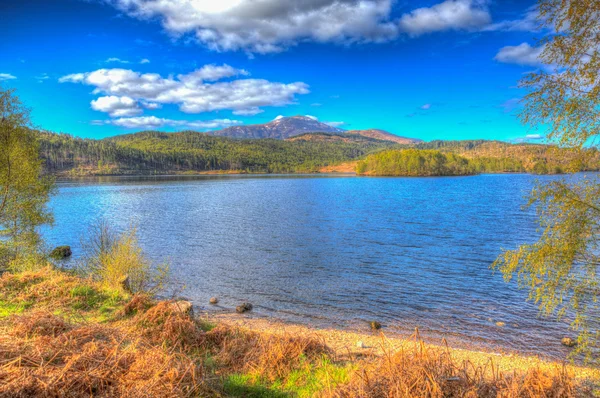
(334, 251)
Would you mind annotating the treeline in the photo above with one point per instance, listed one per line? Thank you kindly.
(414, 162)
(161, 153)
(501, 157)
(431, 162)
(153, 152)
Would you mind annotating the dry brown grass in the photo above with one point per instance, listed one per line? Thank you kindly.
(265, 356)
(149, 349)
(93, 360)
(163, 324)
(40, 323)
(426, 371)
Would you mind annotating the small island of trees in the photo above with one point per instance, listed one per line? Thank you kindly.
(414, 162)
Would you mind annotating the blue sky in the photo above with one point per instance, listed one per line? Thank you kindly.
(427, 69)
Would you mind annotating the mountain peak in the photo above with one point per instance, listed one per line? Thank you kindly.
(280, 128)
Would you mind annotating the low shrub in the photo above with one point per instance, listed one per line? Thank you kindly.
(117, 261)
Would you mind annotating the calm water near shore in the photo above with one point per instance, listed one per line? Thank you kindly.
(334, 250)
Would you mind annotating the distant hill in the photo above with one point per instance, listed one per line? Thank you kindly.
(281, 129)
(384, 135)
(153, 152)
(288, 127)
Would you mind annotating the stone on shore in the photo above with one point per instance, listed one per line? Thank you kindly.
(183, 306)
(244, 307)
(375, 325)
(568, 342)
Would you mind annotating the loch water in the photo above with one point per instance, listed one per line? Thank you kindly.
(334, 251)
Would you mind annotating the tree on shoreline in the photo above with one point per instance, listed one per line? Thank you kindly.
(561, 269)
(24, 191)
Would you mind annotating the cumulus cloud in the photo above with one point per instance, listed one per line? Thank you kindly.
(449, 15)
(523, 54)
(152, 122)
(145, 61)
(199, 91)
(6, 76)
(267, 26)
(117, 106)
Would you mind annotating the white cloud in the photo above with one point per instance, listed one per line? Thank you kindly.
(145, 61)
(426, 107)
(151, 105)
(248, 112)
(6, 76)
(150, 122)
(212, 73)
(117, 106)
(529, 23)
(449, 15)
(196, 92)
(534, 136)
(266, 26)
(116, 60)
(72, 78)
(311, 117)
(335, 124)
(523, 54)
(279, 117)
(529, 138)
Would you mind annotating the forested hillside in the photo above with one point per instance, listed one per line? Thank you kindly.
(154, 152)
(161, 153)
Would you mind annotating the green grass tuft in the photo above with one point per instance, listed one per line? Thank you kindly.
(7, 308)
(237, 385)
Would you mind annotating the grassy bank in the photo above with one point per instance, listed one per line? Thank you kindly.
(63, 335)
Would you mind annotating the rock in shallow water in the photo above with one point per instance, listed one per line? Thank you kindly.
(213, 300)
(61, 252)
(244, 307)
(568, 342)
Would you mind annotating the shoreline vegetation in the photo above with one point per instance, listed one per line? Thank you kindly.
(192, 153)
(65, 332)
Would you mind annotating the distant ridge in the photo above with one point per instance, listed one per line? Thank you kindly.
(287, 127)
(385, 136)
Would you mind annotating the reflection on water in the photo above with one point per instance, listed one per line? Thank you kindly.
(334, 251)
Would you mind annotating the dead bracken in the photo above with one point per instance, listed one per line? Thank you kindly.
(143, 348)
